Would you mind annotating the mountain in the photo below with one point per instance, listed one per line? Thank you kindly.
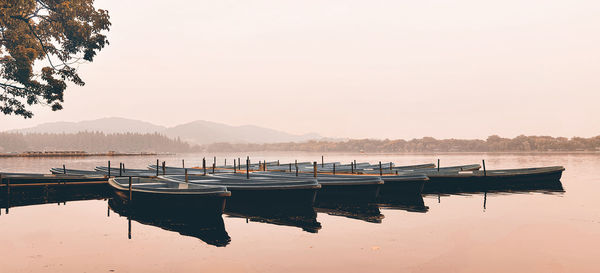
(196, 132)
(206, 132)
(106, 125)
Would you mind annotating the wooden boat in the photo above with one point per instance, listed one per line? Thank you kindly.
(64, 171)
(402, 185)
(36, 179)
(339, 188)
(424, 170)
(440, 182)
(168, 170)
(259, 190)
(125, 172)
(153, 193)
(208, 228)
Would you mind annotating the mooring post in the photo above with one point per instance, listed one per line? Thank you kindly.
(164, 167)
(277, 162)
(130, 188)
(333, 168)
(248, 167)
(239, 164)
(438, 165)
(225, 163)
(204, 165)
(213, 168)
(157, 167)
(215, 160)
(186, 175)
(380, 169)
(351, 167)
(290, 167)
(322, 161)
(315, 169)
(109, 168)
(120, 169)
(296, 163)
(64, 169)
(234, 166)
(183, 163)
(484, 172)
(391, 168)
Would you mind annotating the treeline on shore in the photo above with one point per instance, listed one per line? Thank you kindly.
(427, 144)
(92, 142)
(97, 142)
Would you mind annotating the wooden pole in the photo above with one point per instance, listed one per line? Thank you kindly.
(204, 165)
(296, 163)
(157, 167)
(164, 167)
(277, 162)
(130, 188)
(183, 163)
(215, 160)
(234, 166)
(484, 172)
(380, 169)
(315, 169)
(213, 168)
(438, 165)
(333, 168)
(109, 168)
(225, 162)
(351, 167)
(239, 164)
(391, 168)
(186, 175)
(322, 161)
(64, 169)
(247, 167)
(120, 169)
(290, 167)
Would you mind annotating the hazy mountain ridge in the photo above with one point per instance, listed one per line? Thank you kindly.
(195, 132)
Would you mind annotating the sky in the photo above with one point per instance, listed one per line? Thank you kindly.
(359, 69)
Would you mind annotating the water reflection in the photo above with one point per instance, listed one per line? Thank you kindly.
(210, 229)
(545, 186)
(60, 194)
(413, 203)
(304, 218)
(367, 212)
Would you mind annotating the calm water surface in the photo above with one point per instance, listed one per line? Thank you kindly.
(522, 232)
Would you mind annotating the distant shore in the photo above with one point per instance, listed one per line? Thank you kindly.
(75, 154)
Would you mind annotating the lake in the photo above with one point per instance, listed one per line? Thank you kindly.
(492, 232)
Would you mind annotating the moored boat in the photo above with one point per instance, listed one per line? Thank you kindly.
(490, 179)
(164, 194)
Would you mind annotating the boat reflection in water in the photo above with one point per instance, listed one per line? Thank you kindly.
(304, 217)
(208, 228)
(368, 212)
(543, 186)
(410, 203)
(20, 196)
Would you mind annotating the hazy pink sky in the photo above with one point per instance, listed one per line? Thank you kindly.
(379, 69)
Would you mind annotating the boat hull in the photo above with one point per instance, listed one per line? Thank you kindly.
(203, 204)
(481, 183)
(348, 193)
(288, 198)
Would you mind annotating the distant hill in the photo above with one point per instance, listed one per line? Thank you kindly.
(196, 132)
(105, 125)
(206, 132)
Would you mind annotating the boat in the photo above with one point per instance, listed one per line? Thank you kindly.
(402, 185)
(169, 170)
(125, 172)
(424, 170)
(488, 180)
(64, 171)
(339, 188)
(161, 194)
(259, 190)
(37, 179)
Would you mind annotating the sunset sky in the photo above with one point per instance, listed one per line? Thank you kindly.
(377, 69)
